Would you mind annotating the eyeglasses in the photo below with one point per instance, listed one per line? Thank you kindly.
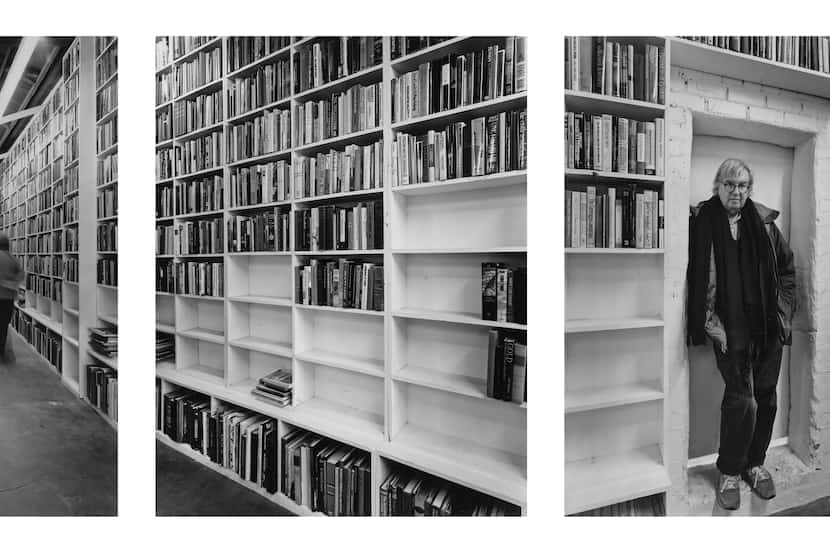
(731, 186)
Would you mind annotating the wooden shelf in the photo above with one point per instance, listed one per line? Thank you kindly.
(263, 346)
(111, 362)
(495, 472)
(263, 300)
(597, 104)
(578, 401)
(365, 365)
(600, 325)
(599, 481)
(265, 60)
(204, 334)
(342, 422)
(339, 310)
(496, 180)
(735, 65)
(615, 251)
(270, 156)
(453, 317)
(605, 177)
(480, 109)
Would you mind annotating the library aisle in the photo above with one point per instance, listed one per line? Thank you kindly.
(59, 230)
(57, 456)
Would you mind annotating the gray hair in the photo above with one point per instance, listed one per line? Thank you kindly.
(731, 168)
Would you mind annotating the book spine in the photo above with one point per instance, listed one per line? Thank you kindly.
(618, 222)
(622, 145)
(591, 216)
(660, 145)
(638, 220)
(583, 220)
(607, 147)
(660, 225)
(650, 148)
(612, 222)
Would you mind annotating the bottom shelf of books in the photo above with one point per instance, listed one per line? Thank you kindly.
(299, 468)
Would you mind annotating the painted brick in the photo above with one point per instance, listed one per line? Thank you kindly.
(708, 85)
(801, 122)
(729, 109)
(765, 115)
(784, 101)
(687, 99)
(744, 93)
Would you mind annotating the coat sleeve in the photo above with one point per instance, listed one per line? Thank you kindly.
(786, 273)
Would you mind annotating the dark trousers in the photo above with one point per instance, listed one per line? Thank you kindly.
(5, 318)
(748, 408)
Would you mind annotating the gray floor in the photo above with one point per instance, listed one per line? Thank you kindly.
(187, 488)
(57, 456)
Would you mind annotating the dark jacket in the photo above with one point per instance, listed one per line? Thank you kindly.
(11, 275)
(783, 281)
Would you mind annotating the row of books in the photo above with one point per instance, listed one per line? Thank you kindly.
(266, 133)
(267, 84)
(245, 50)
(325, 475)
(810, 52)
(196, 113)
(183, 45)
(42, 286)
(164, 126)
(616, 68)
(106, 205)
(205, 68)
(107, 236)
(239, 440)
(345, 283)
(261, 232)
(197, 154)
(70, 239)
(104, 340)
(482, 146)
(102, 389)
(165, 346)
(106, 66)
(507, 365)
(163, 58)
(330, 58)
(357, 108)
(622, 216)
(70, 269)
(461, 80)
(503, 293)
(47, 343)
(262, 183)
(165, 243)
(275, 387)
(612, 143)
(198, 237)
(107, 134)
(107, 272)
(339, 227)
(106, 100)
(164, 201)
(164, 164)
(405, 45)
(333, 172)
(163, 89)
(107, 169)
(407, 492)
(649, 506)
(205, 278)
(199, 195)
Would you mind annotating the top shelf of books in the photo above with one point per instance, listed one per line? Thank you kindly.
(723, 60)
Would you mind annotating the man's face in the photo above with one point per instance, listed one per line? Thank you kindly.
(734, 191)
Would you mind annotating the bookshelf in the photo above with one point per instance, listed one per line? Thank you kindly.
(49, 212)
(405, 382)
(615, 369)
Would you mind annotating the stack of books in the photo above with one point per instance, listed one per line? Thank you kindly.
(275, 387)
(104, 340)
(503, 293)
(165, 346)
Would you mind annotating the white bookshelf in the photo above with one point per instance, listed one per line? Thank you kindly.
(56, 151)
(406, 384)
(615, 371)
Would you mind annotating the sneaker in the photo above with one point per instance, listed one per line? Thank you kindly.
(760, 480)
(729, 492)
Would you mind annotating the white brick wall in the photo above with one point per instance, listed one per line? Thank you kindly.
(694, 92)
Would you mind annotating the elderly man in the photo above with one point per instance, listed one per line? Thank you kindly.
(741, 294)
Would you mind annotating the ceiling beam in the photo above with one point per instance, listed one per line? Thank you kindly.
(18, 115)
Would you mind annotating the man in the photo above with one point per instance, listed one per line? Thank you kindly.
(11, 275)
(741, 282)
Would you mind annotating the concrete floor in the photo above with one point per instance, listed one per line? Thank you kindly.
(799, 489)
(57, 456)
(185, 487)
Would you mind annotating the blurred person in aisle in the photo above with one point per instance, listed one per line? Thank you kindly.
(11, 275)
(741, 294)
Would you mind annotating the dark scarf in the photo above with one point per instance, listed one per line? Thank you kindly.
(710, 230)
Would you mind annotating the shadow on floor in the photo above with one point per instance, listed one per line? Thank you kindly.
(818, 508)
(185, 487)
(57, 456)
